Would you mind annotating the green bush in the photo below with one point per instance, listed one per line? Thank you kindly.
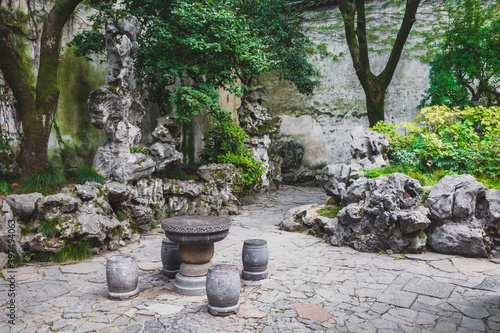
(46, 181)
(444, 141)
(225, 143)
(86, 173)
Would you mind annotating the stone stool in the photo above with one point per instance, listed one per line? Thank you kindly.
(122, 276)
(223, 289)
(255, 257)
(170, 258)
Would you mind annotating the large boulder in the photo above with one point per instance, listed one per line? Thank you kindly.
(117, 162)
(382, 214)
(24, 205)
(455, 197)
(465, 217)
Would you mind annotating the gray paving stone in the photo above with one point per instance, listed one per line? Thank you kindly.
(397, 298)
(429, 288)
(135, 328)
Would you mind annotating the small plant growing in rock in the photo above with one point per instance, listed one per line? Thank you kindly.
(139, 150)
(72, 250)
(86, 173)
(329, 211)
(48, 228)
(153, 225)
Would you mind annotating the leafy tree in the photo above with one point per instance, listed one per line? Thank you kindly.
(277, 23)
(36, 100)
(355, 26)
(468, 64)
(190, 49)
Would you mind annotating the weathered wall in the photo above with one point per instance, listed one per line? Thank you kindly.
(323, 121)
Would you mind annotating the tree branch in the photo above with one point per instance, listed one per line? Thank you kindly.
(397, 49)
(348, 14)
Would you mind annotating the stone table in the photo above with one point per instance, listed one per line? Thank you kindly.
(196, 236)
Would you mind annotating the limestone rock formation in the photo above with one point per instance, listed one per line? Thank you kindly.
(368, 149)
(118, 110)
(305, 217)
(379, 214)
(216, 193)
(259, 125)
(335, 178)
(24, 205)
(291, 153)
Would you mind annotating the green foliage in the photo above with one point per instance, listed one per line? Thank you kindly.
(46, 181)
(4, 185)
(329, 211)
(424, 178)
(86, 173)
(142, 150)
(449, 141)
(225, 143)
(72, 250)
(444, 90)
(467, 67)
(48, 228)
(153, 225)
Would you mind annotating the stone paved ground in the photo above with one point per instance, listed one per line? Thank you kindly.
(312, 287)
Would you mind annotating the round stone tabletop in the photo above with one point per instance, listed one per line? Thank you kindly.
(196, 229)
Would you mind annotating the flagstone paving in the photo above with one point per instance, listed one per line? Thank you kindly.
(312, 287)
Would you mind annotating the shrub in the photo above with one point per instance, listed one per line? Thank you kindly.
(225, 143)
(455, 140)
(46, 181)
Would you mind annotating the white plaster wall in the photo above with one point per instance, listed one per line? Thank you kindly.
(338, 105)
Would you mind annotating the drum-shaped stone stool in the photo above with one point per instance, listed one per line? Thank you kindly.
(223, 289)
(122, 276)
(255, 257)
(170, 258)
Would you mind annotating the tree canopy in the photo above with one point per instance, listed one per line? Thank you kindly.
(204, 45)
(467, 67)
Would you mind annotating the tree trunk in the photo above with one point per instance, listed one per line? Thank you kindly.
(36, 110)
(375, 99)
(374, 86)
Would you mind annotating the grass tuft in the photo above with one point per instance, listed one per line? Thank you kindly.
(46, 181)
(86, 173)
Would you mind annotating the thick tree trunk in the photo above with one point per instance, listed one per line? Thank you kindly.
(37, 110)
(375, 99)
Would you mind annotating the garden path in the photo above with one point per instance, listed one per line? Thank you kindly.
(312, 287)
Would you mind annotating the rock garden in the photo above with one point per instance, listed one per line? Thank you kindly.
(195, 166)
